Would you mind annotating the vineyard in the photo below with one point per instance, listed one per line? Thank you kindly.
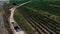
(35, 17)
(41, 23)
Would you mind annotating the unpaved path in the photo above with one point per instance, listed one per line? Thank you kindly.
(11, 19)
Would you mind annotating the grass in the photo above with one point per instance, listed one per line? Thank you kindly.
(22, 23)
(38, 7)
(18, 1)
(30, 10)
(19, 19)
(6, 12)
(47, 14)
(54, 5)
(45, 6)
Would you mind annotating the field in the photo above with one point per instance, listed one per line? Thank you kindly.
(19, 19)
(23, 23)
(41, 23)
(50, 9)
(45, 6)
(35, 13)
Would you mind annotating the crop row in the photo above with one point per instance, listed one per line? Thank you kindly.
(41, 23)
